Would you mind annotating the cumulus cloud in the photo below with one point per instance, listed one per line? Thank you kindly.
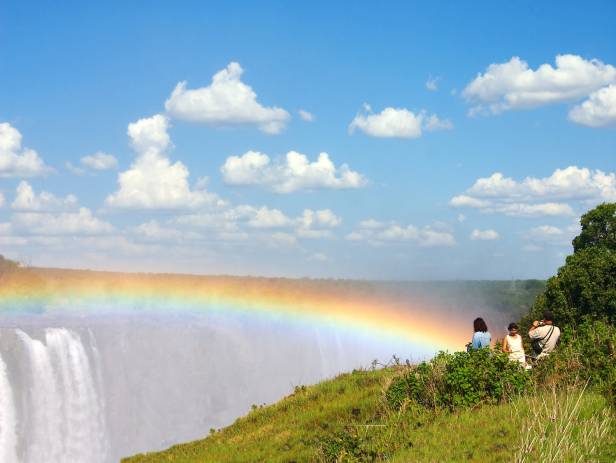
(294, 172)
(484, 235)
(306, 116)
(16, 161)
(153, 181)
(599, 110)
(378, 233)
(397, 123)
(513, 85)
(27, 200)
(226, 101)
(100, 161)
(149, 135)
(320, 218)
(539, 196)
(264, 217)
(81, 222)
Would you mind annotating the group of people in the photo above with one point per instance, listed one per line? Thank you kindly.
(543, 334)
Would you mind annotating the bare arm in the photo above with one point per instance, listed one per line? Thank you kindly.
(505, 345)
(532, 330)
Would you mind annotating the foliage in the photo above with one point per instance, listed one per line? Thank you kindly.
(462, 379)
(598, 228)
(586, 285)
(588, 353)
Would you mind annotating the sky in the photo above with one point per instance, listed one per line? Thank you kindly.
(406, 140)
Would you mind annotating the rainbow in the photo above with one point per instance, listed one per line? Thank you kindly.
(338, 305)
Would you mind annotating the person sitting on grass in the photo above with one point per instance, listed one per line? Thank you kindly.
(544, 335)
(481, 336)
(512, 344)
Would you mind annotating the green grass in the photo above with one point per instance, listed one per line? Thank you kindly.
(346, 420)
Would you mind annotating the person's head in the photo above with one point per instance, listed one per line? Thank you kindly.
(479, 325)
(548, 317)
(513, 329)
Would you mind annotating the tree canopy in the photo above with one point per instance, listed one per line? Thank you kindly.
(585, 287)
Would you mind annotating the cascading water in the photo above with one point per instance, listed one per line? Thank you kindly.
(61, 420)
(8, 433)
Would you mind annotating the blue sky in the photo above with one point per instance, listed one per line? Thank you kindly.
(425, 103)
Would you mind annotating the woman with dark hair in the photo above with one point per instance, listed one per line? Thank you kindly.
(512, 345)
(481, 336)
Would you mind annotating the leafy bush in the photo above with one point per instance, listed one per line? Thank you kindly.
(462, 379)
(587, 353)
(347, 446)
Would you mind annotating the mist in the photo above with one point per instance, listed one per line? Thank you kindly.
(91, 383)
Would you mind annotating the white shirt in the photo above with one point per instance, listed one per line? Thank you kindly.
(541, 332)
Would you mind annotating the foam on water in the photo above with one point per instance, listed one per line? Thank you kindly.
(66, 423)
(8, 433)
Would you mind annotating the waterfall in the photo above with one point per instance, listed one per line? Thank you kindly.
(63, 411)
(8, 434)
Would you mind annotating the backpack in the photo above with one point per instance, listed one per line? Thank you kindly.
(538, 345)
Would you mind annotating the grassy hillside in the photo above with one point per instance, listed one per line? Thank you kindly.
(347, 420)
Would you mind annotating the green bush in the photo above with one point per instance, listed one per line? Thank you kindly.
(462, 379)
(587, 353)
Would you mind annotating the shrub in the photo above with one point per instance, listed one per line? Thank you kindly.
(462, 379)
(586, 353)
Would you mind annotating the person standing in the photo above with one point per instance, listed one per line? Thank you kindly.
(481, 335)
(544, 335)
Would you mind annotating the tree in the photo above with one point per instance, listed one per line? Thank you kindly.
(585, 287)
(598, 228)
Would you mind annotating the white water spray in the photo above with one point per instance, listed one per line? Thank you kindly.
(64, 415)
(8, 434)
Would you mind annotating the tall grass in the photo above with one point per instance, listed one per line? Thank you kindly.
(554, 428)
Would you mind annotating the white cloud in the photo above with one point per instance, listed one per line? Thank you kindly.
(321, 218)
(531, 210)
(294, 172)
(513, 85)
(534, 196)
(484, 235)
(81, 222)
(425, 236)
(226, 101)
(16, 161)
(149, 135)
(269, 218)
(432, 83)
(100, 161)
(569, 183)
(396, 123)
(599, 110)
(316, 224)
(27, 200)
(2, 200)
(306, 116)
(152, 181)
(468, 201)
